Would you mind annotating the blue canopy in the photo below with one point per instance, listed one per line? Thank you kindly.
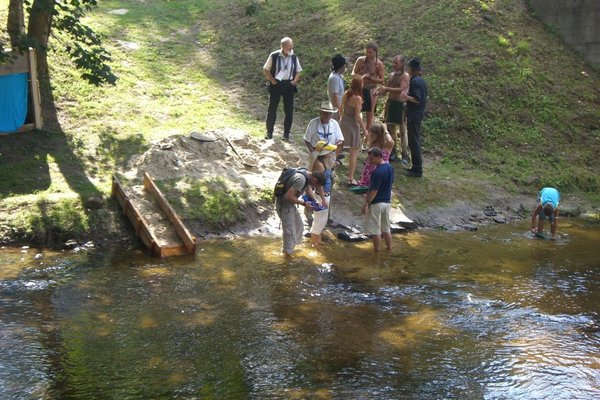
(13, 101)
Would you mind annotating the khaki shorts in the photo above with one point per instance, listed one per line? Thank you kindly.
(320, 218)
(377, 219)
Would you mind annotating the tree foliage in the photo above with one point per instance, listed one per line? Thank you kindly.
(82, 44)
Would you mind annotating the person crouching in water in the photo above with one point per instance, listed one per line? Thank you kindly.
(324, 163)
(547, 206)
(292, 225)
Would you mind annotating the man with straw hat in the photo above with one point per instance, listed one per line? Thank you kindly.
(323, 129)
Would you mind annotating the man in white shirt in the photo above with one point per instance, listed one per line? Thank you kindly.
(282, 69)
(323, 129)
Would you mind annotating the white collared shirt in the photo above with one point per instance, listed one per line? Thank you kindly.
(283, 70)
(330, 132)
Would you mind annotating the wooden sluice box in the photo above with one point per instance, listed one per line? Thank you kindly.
(154, 220)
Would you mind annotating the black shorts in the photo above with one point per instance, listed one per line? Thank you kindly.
(366, 105)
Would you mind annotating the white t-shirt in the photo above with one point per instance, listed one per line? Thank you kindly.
(330, 132)
(335, 86)
(283, 70)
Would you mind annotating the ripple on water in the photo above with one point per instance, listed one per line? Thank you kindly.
(532, 353)
(23, 365)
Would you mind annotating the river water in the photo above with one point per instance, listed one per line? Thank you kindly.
(493, 314)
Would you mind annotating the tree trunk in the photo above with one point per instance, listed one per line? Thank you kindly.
(16, 22)
(40, 22)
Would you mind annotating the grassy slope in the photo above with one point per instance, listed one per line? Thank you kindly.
(508, 102)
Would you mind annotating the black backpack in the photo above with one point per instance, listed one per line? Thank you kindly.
(281, 187)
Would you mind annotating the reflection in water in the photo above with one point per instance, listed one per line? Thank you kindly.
(493, 314)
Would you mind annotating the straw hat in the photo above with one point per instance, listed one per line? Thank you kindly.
(326, 106)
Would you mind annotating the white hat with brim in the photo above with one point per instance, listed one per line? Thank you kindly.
(326, 106)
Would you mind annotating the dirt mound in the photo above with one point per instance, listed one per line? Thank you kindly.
(178, 156)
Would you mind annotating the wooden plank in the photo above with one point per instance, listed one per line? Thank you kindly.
(36, 98)
(140, 225)
(24, 128)
(117, 193)
(17, 66)
(182, 232)
(169, 251)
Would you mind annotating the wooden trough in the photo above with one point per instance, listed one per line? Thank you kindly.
(180, 242)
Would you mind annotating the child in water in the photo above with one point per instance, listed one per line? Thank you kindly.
(547, 206)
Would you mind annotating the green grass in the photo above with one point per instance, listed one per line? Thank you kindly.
(507, 99)
(61, 218)
(214, 202)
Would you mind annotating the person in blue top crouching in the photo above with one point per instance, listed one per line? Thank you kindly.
(547, 206)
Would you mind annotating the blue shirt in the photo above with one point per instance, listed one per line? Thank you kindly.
(417, 89)
(382, 180)
(327, 186)
(549, 195)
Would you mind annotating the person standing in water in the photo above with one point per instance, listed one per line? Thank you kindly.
(377, 207)
(297, 183)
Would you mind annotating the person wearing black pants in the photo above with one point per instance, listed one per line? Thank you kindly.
(416, 99)
(286, 90)
(282, 69)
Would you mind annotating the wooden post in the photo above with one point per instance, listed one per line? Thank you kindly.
(188, 240)
(35, 90)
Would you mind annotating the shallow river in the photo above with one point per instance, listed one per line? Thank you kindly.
(493, 314)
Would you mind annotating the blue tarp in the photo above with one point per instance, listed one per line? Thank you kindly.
(13, 101)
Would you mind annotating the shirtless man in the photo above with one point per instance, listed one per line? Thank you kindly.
(395, 114)
(371, 69)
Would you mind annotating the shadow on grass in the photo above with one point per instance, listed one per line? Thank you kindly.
(115, 152)
(27, 158)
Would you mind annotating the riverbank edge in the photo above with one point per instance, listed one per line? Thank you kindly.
(115, 231)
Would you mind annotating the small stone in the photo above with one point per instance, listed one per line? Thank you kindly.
(71, 244)
(94, 203)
